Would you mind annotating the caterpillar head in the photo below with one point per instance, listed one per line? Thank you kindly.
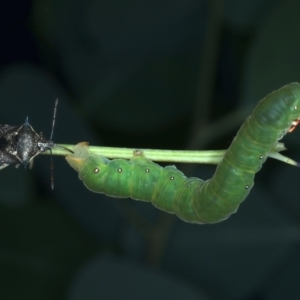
(294, 107)
(280, 110)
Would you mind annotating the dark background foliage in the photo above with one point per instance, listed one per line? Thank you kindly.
(178, 74)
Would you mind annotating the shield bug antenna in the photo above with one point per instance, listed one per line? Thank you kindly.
(51, 144)
(51, 135)
(54, 118)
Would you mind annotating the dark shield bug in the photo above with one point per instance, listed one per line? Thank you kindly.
(20, 145)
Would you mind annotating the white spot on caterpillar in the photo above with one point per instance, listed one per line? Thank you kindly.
(96, 170)
(261, 157)
(295, 107)
(247, 187)
(172, 178)
(147, 170)
(120, 170)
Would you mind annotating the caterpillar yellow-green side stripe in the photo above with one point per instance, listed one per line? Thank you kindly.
(192, 199)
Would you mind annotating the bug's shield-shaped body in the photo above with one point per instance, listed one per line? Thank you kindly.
(193, 199)
(30, 144)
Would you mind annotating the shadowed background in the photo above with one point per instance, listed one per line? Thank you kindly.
(178, 74)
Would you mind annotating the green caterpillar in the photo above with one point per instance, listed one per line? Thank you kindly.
(192, 199)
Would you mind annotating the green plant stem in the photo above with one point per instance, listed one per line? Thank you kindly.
(178, 156)
(207, 157)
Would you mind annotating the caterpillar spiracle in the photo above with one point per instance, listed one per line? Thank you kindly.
(192, 199)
